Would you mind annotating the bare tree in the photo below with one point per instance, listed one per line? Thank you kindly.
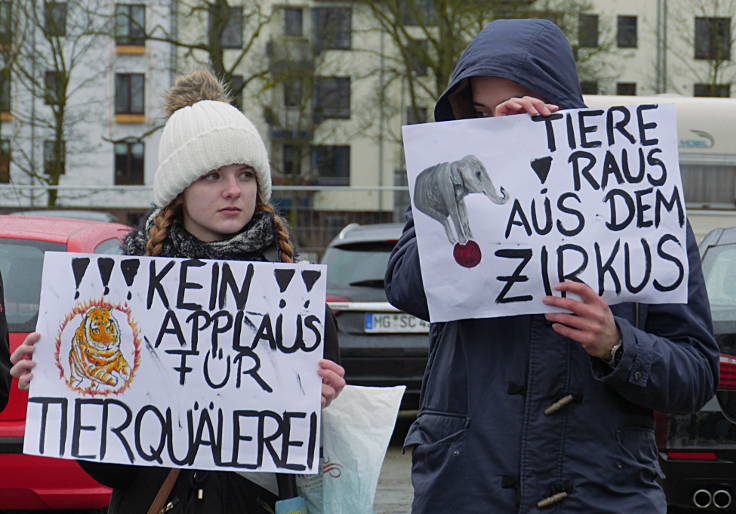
(312, 98)
(428, 36)
(49, 61)
(221, 34)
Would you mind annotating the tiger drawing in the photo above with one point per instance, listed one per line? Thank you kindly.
(95, 352)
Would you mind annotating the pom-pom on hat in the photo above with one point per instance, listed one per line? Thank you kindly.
(203, 133)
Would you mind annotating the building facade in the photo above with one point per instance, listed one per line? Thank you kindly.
(328, 83)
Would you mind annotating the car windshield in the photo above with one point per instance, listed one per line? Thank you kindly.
(21, 263)
(357, 265)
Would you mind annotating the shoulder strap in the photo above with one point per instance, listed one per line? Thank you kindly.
(157, 505)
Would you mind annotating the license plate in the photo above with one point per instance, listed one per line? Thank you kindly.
(395, 322)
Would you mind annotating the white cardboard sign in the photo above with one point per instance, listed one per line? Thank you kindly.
(505, 208)
(178, 363)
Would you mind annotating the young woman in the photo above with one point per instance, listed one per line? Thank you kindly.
(211, 192)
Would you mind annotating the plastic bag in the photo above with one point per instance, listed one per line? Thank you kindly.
(356, 429)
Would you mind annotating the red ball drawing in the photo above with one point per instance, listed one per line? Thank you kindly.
(467, 255)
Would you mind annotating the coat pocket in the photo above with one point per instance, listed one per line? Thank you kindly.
(438, 443)
(638, 454)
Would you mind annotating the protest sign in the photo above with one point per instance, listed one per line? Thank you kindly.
(505, 208)
(178, 363)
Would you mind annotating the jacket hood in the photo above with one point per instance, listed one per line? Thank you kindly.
(533, 53)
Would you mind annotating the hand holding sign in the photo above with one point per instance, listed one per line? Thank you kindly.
(332, 380)
(22, 361)
(591, 323)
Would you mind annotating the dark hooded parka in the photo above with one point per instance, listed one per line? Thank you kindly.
(485, 439)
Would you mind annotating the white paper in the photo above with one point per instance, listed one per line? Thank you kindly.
(538, 197)
(178, 363)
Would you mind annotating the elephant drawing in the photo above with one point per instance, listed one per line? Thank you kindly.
(440, 191)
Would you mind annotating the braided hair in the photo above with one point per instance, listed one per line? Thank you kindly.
(159, 231)
(285, 247)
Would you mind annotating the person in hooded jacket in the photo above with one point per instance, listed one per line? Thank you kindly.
(211, 191)
(554, 412)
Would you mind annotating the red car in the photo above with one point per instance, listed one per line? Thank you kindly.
(30, 482)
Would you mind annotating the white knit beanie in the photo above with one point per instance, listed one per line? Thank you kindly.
(202, 137)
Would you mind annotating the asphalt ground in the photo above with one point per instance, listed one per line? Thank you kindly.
(394, 492)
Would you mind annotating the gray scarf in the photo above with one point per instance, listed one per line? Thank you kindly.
(256, 242)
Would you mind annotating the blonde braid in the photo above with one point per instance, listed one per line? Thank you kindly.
(286, 249)
(162, 227)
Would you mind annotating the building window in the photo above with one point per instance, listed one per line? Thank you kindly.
(291, 159)
(130, 24)
(710, 185)
(416, 115)
(128, 164)
(4, 161)
(331, 164)
(55, 18)
(236, 91)
(5, 90)
(54, 94)
(589, 87)
(417, 60)
(721, 90)
(228, 24)
(588, 30)
(292, 93)
(53, 155)
(627, 36)
(418, 12)
(6, 23)
(332, 27)
(129, 93)
(332, 98)
(626, 88)
(713, 38)
(293, 23)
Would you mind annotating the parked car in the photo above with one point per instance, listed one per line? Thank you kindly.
(379, 345)
(698, 451)
(81, 214)
(31, 482)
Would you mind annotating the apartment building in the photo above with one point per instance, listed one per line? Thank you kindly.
(323, 81)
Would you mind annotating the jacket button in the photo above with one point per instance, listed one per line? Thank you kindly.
(456, 453)
(619, 465)
(637, 376)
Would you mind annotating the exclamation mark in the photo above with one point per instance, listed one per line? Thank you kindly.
(283, 278)
(79, 266)
(130, 269)
(105, 266)
(310, 277)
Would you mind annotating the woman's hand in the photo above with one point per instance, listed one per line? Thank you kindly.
(524, 104)
(332, 380)
(22, 363)
(591, 323)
